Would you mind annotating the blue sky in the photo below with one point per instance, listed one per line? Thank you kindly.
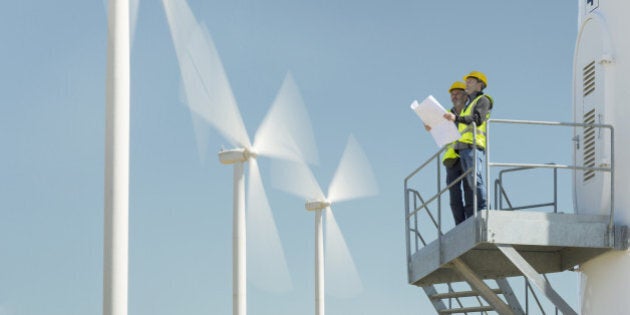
(359, 64)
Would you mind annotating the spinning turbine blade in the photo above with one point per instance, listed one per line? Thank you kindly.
(133, 17)
(206, 86)
(286, 131)
(342, 278)
(296, 178)
(201, 135)
(267, 264)
(354, 177)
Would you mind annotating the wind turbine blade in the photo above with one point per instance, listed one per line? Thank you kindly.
(133, 17)
(286, 132)
(296, 178)
(206, 86)
(201, 135)
(267, 264)
(354, 177)
(342, 278)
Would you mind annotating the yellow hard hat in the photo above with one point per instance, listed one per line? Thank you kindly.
(478, 75)
(457, 85)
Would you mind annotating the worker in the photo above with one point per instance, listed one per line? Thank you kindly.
(477, 110)
(450, 159)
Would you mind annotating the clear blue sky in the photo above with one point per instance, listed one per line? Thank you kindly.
(359, 65)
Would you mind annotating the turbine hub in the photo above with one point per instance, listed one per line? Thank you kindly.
(232, 156)
(317, 205)
(250, 153)
(240, 155)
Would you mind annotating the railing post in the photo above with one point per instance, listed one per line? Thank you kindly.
(474, 188)
(500, 192)
(439, 202)
(612, 186)
(407, 231)
(555, 190)
(487, 182)
(415, 223)
(496, 201)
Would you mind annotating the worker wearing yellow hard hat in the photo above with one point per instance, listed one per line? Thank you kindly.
(477, 111)
(450, 159)
(457, 85)
(479, 76)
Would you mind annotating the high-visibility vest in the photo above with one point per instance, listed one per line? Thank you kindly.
(450, 156)
(467, 133)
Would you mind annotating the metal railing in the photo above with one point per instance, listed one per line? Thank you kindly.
(415, 203)
(416, 196)
(610, 169)
(500, 194)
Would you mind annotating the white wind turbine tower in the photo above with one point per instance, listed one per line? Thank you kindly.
(116, 192)
(353, 179)
(116, 225)
(209, 97)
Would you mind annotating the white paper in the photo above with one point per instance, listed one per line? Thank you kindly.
(432, 113)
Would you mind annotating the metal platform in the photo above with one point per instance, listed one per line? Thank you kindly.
(549, 242)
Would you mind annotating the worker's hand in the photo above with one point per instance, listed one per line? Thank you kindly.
(449, 116)
(427, 127)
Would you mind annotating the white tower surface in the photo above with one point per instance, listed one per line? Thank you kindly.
(601, 94)
(116, 227)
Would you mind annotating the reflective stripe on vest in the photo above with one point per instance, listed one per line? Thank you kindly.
(467, 133)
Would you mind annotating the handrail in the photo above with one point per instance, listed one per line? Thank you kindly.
(409, 214)
(445, 189)
(500, 193)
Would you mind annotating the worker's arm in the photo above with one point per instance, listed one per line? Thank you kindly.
(480, 112)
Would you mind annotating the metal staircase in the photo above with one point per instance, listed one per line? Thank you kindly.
(495, 245)
(470, 300)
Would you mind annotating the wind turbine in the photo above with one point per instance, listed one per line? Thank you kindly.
(353, 179)
(285, 133)
(121, 21)
(116, 190)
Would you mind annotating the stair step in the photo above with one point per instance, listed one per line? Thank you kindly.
(451, 295)
(467, 310)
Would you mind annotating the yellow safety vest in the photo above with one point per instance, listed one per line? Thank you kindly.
(450, 156)
(467, 133)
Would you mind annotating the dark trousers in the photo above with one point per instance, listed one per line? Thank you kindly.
(458, 204)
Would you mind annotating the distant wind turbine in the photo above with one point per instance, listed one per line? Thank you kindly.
(285, 133)
(116, 192)
(353, 179)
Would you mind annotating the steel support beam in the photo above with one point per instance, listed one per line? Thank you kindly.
(537, 279)
(438, 304)
(509, 295)
(481, 287)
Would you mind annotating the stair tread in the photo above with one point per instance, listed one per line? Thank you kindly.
(467, 310)
(459, 294)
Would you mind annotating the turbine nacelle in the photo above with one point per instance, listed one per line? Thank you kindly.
(233, 156)
(317, 205)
